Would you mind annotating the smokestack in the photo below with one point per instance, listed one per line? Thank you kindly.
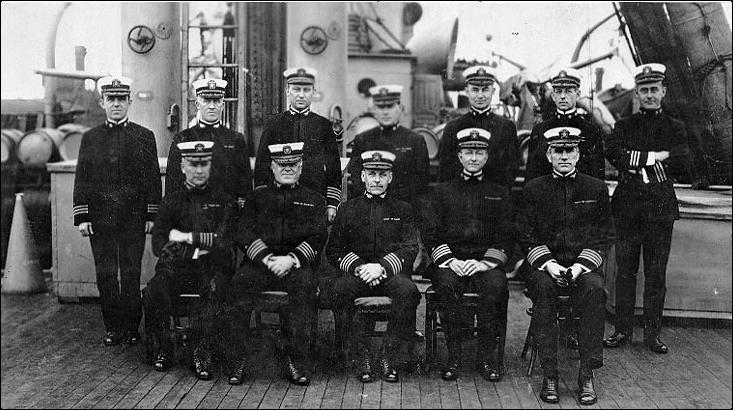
(599, 79)
(80, 52)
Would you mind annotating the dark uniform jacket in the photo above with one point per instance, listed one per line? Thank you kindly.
(411, 170)
(117, 183)
(283, 220)
(503, 164)
(230, 169)
(591, 160)
(566, 219)
(208, 213)
(321, 158)
(472, 221)
(628, 150)
(373, 229)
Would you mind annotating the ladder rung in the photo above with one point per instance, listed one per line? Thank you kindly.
(219, 26)
(224, 65)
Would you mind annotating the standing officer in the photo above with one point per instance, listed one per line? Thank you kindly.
(645, 148)
(321, 160)
(565, 93)
(193, 240)
(281, 230)
(374, 243)
(411, 170)
(230, 167)
(470, 242)
(503, 163)
(117, 192)
(566, 230)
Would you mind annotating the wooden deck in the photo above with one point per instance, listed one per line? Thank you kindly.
(53, 357)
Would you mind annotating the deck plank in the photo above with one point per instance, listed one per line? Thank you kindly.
(235, 395)
(294, 397)
(195, 395)
(275, 394)
(371, 395)
(314, 394)
(220, 389)
(353, 393)
(411, 391)
(256, 392)
(468, 393)
(161, 389)
(179, 391)
(449, 397)
(134, 395)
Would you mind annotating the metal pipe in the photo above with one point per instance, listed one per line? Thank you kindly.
(610, 54)
(76, 75)
(515, 64)
(49, 95)
(587, 34)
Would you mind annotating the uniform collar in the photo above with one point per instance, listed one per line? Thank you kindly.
(281, 186)
(392, 127)
(296, 113)
(204, 124)
(570, 175)
(566, 114)
(477, 112)
(476, 176)
(196, 189)
(650, 113)
(121, 123)
(370, 196)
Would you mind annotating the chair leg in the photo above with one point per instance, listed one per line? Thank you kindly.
(429, 331)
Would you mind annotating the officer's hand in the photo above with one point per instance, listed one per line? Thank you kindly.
(576, 270)
(331, 214)
(370, 272)
(556, 270)
(149, 226)
(177, 236)
(472, 266)
(281, 265)
(85, 228)
(456, 266)
(661, 155)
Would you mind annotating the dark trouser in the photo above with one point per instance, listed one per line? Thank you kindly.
(120, 299)
(297, 317)
(655, 237)
(491, 313)
(588, 298)
(401, 324)
(175, 278)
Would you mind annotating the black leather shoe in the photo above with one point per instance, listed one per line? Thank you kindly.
(617, 339)
(365, 369)
(389, 374)
(294, 375)
(548, 394)
(131, 337)
(162, 362)
(111, 338)
(451, 371)
(201, 365)
(656, 345)
(586, 392)
(237, 375)
(488, 372)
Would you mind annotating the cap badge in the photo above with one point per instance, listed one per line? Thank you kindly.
(212, 85)
(383, 91)
(377, 156)
(116, 83)
(647, 70)
(287, 150)
(563, 73)
(474, 134)
(481, 71)
(199, 147)
(301, 72)
(564, 133)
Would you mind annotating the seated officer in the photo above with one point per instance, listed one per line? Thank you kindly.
(281, 230)
(374, 243)
(470, 241)
(192, 239)
(566, 230)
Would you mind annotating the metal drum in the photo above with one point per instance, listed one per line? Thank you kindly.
(39, 146)
(431, 140)
(10, 139)
(357, 126)
(69, 147)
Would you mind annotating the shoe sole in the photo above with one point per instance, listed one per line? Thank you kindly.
(551, 401)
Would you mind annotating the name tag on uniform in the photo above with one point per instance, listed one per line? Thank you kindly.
(587, 201)
(207, 206)
(403, 149)
(229, 146)
(392, 219)
(303, 204)
(493, 198)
